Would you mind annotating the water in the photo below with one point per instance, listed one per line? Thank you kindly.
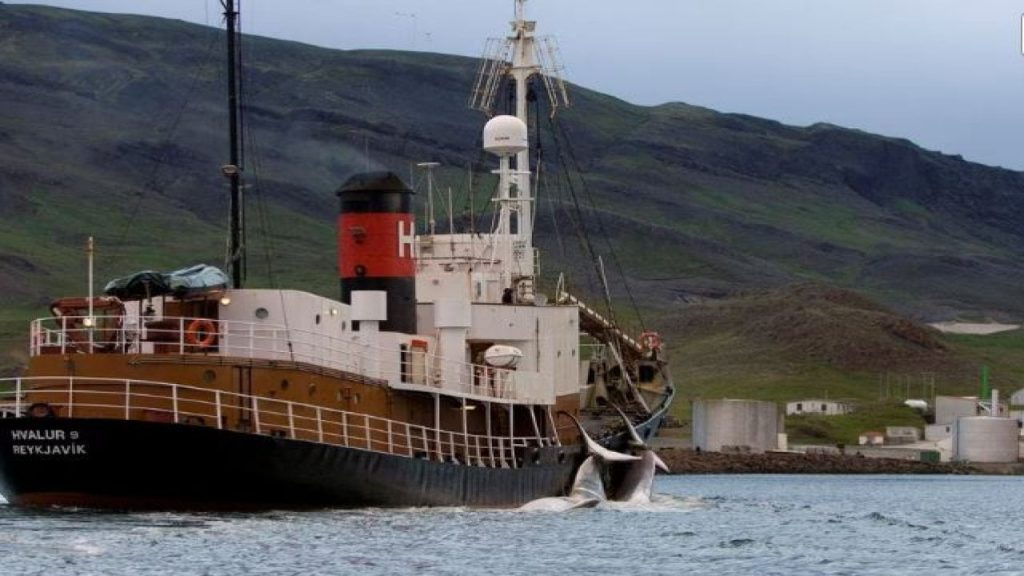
(697, 524)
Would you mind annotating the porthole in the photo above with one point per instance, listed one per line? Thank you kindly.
(312, 388)
(209, 376)
(262, 313)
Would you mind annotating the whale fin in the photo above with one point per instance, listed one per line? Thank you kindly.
(600, 451)
(637, 441)
(660, 464)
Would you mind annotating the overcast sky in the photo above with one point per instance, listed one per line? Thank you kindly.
(947, 74)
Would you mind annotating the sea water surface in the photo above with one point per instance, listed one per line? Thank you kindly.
(696, 525)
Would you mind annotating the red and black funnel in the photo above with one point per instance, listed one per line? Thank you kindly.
(376, 230)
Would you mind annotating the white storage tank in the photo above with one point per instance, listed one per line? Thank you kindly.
(985, 439)
(746, 425)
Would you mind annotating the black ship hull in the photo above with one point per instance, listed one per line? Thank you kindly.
(122, 464)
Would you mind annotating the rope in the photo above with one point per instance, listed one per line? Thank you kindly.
(559, 131)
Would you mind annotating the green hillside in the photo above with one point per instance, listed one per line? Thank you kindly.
(112, 126)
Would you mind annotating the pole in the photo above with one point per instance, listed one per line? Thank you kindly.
(233, 170)
(90, 251)
(985, 390)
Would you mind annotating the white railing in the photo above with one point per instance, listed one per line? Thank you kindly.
(183, 335)
(127, 399)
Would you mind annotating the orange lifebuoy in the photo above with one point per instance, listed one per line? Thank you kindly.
(651, 340)
(201, 333)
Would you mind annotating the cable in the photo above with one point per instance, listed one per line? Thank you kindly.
(151, 181)
(559, 131)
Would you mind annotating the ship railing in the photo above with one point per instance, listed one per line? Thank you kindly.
(153, 401)
(189, 335)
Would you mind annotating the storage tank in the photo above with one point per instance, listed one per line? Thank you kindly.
(985, 439)
(375, 245)
(736, 424)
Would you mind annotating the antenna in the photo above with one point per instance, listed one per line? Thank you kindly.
(521, 54)
(90, 250)
(429, 167)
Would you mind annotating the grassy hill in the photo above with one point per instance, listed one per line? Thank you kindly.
(112, 126)
(811, 341)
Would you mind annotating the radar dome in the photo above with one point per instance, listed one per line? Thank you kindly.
(505, 136)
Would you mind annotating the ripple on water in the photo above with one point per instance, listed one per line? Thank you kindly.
(728, 524)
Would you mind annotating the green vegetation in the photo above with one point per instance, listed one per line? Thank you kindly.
(847, 428)
(815, 342)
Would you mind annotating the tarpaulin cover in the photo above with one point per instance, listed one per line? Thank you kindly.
(149, 283)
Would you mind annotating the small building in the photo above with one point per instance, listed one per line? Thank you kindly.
(949, 408)
(938, 432)
(902, 434)
(813, 406)
(1017, 398)
(871, 438)
(736, 425)
(1018, 415)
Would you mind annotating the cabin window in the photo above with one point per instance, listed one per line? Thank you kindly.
(404, 361)
(317, 320)
(799, 407)
(284, 384)
(824, 408)
(262, 313)
(355, 325)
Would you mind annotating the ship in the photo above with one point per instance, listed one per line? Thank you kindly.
(440, 376)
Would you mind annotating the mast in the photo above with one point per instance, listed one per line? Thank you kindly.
(524, 65)
(518, 58)
(233, 169)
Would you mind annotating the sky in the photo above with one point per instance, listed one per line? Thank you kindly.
(947, 74)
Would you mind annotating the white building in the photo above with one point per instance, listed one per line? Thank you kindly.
(871, 439)
(902, 434)
(813, 406)
(736, 425)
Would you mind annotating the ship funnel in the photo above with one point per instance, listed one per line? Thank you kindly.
(376, 235)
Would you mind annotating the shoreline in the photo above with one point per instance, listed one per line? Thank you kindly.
(685, 461)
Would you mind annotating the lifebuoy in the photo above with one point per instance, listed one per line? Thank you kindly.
(651, 340)
(201, 333)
